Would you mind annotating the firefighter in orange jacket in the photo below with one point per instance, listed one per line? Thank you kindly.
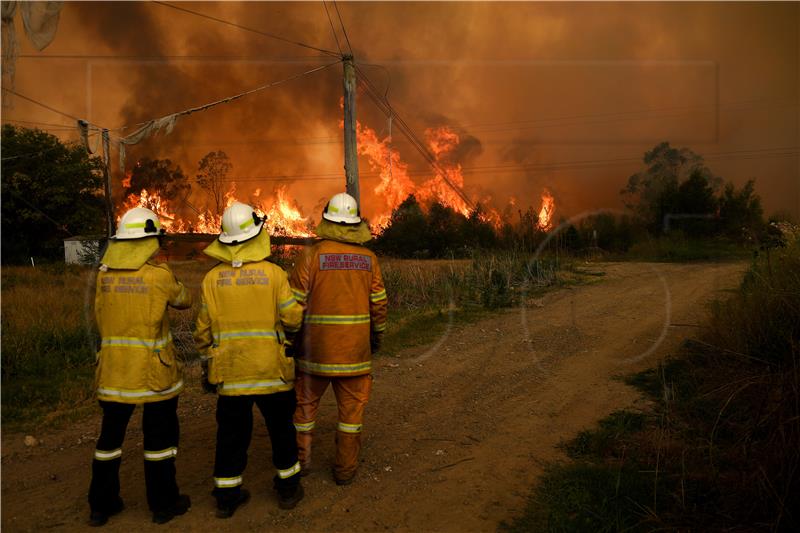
(137, 365)
(246, 313)
(339, 283)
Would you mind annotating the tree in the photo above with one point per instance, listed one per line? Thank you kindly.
(740, 212)
(406, 234)
(443, 225)
(476, 232)
(654, 192)
(159, 176)
(695, 206)
(212, 177)
(50, 191)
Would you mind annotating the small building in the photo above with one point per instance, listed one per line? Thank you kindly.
(83, 249)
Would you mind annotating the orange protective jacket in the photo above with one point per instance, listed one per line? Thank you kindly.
(341, 288)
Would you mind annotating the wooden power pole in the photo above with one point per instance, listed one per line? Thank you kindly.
(350, 143)
(107, 183)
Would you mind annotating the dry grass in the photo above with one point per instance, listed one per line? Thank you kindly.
(49, 336)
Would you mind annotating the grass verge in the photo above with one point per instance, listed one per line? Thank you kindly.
(720, 447)
(677, 248)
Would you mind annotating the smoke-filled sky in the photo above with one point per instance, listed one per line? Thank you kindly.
(531, 88)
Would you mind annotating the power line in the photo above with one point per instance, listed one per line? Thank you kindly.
(228, 99)
(34, 123)
(245, 28)
(755, 153)
(344, 30)
(409, 133)
(62, 227)
(108, 57)
(40, 152)
(40, 104)
(711, 107)
(335, 37)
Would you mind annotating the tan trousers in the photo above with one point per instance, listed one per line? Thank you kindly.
(352, 394)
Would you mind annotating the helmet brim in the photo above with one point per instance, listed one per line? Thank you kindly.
(342, 219)
(124, 237)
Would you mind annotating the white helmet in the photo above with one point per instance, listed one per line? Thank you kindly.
(342, 209)
(138, 223)
(239, 223)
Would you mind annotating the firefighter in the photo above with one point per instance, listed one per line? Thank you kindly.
(339, 284)
(247, 317)
(137, 365)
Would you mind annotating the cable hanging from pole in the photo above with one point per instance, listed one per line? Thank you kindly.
(404, 128)
(344, 30)
(245, 28)
(335, 37)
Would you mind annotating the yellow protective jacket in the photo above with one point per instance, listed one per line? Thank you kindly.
(244, 314)
(341, 288)
(136, 362)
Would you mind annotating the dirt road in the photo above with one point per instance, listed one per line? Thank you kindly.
(455, 436)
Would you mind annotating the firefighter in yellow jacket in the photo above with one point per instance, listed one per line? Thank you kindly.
(137, 365)
(339, 283)
(247, 312)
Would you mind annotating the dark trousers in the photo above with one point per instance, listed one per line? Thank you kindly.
(234, 430)
(161, 433)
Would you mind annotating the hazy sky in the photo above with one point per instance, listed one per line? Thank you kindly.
(532, 88)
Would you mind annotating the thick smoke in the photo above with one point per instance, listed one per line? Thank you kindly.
(530, 87)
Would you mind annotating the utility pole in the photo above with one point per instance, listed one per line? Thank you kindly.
(350, 149)
(107, 185)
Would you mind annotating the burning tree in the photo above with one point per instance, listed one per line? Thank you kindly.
(212, 177)
(159, 177)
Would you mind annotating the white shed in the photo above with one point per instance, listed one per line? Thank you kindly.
(83, 249)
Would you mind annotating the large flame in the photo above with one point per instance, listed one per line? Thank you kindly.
(283, 215)
(546, 211)
(395, 184)
(285, 218)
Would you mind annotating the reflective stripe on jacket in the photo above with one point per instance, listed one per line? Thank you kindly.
(243, 316)
(341, 288)
(136, 362)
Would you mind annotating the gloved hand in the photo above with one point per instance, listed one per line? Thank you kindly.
(289, 346)
(208, 387)
(289, 349)
(375, 341)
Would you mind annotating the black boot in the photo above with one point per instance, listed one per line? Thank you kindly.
(181, 505)
(289, 497)
(226, 508)
(99, 518)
